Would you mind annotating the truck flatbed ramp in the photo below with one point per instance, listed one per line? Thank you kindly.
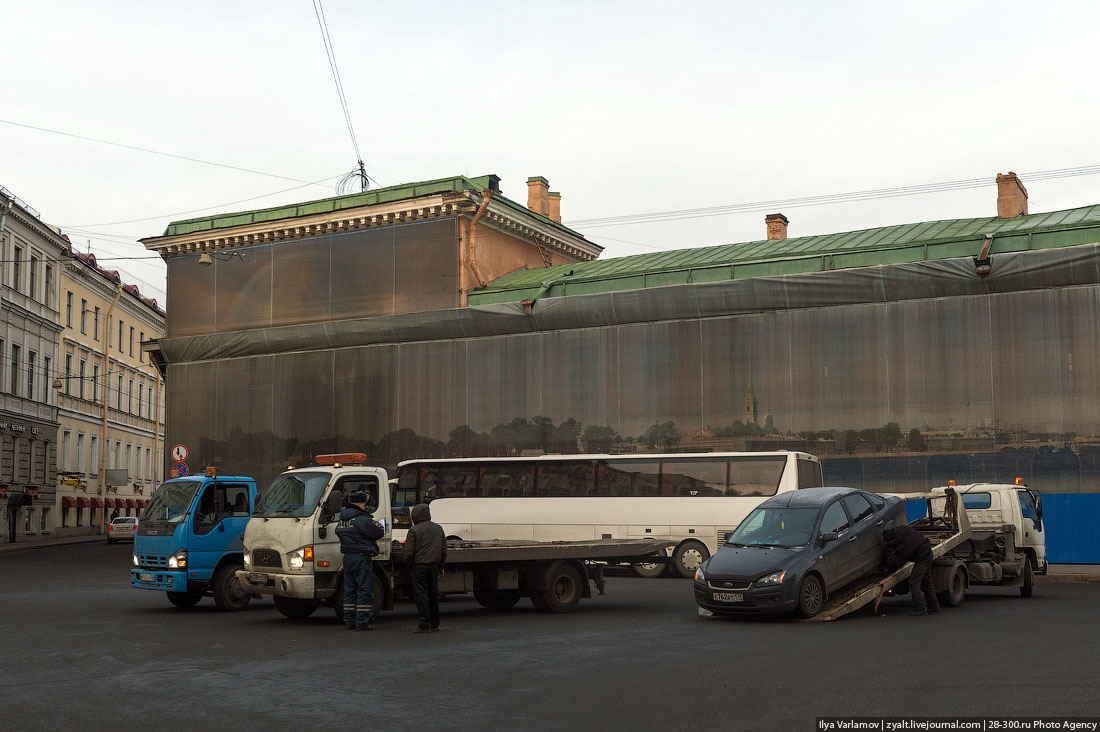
(498, 550)
(945, 531)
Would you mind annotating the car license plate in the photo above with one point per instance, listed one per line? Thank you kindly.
(145, 577)
(257, 578)
(729, 597)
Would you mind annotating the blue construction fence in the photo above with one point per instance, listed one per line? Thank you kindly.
(1071, 522)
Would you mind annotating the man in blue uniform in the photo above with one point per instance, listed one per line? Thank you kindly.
(358, 533)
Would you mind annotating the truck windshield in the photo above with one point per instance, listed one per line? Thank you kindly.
(170, 502)
(776, 527)
(292, 495)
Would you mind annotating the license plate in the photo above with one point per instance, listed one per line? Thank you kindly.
(145, 577)
(729, 597)
(257, 578)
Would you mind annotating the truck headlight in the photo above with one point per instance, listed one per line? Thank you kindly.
(247, 560)
(775, 578)
(136, 561)
(178, 560)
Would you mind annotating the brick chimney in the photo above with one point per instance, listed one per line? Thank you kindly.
(1011, 196)
(538, 192)
(777, 225)
(555, 205)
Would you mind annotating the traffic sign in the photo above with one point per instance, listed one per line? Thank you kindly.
(181, 468)
(179, 453)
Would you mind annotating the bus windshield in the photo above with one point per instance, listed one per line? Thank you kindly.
(775, 527)
(292, 495)
(170, 502)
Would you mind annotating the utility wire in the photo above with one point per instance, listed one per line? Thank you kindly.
(319, 11)
(819, 200)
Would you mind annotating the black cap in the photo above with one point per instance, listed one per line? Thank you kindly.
(357, 497)
(888, 534)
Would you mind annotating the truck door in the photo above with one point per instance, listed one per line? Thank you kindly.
(1032, 523)
(217, 526)
(327, 547)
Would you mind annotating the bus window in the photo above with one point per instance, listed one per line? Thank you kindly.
(560, 479)
(629, 478)
(448, 481)
(705, 477)
(755, 476)
(809, 474)
(507, 480)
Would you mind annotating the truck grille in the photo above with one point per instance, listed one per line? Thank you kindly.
(266, 558)
(152, 560)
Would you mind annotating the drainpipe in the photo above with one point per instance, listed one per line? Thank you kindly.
(106, 401)
(472, 243)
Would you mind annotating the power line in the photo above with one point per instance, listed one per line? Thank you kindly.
(319, 11)
(818, 200)
(153, 152)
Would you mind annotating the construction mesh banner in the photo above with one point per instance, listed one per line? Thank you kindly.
(900, 377)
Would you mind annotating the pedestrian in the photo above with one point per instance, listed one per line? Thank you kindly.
(906, 544)
(426, 553)
(359, 534)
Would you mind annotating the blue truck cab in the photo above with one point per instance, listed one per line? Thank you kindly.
(190, 540)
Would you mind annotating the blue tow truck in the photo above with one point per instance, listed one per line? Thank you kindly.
(190, 540)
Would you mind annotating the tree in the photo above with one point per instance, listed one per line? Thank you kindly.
(596, 438)
(915, 441)
(660, 436)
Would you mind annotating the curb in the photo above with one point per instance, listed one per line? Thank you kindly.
(1067, 578)
(31, 546)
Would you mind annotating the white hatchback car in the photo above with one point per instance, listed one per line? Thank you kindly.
(122, 527)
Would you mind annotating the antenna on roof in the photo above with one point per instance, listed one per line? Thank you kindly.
(348, 182)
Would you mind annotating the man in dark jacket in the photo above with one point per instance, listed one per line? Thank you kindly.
(906, 544)
(426, 553)
(358, 533)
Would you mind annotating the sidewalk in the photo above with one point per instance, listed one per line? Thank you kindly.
(1071, 573)
(20, 546)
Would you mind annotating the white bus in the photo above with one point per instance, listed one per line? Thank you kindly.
(692, 498)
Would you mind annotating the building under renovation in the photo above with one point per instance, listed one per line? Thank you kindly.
(442, 318)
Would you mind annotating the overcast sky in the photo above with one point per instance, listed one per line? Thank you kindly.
(626, 107)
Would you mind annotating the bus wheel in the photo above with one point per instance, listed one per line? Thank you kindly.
(294, 608)
(497, 599)
(228, 593)
(688, 556)
(184, 599)
(654, 569)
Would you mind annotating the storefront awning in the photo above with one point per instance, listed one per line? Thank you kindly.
(97, 502)
(68, 502)
(142, 503)
(82, 502)
(130, 503)
(110, 502)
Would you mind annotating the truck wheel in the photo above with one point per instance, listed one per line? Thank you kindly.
(497, 599)
(688, 556)
(956, 591)
(563, 593)
(653, 569)
(811, 596)
(228, 593)
(295, 608)
(184, 599)
(378, 597)
(1025, 588)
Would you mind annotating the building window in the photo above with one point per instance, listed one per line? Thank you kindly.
(68, 309)
(118, 399)
(48, 289)
(79, 516)
(45, 520)
(95, 324)
(46, 363)
(66, 450)
(131, 340)
(118, 454)
(15, 370)
(93, 456)
(15, 271)
(130, 397)
(95, 383)
(32, 358)
(81, 375)
(129, 455)
(84, 316)
(27, 520)
(148, 462)
(68, 373)
(120, 336)
(149, 408)
(139, 393)
(141, 353)
(33, 289)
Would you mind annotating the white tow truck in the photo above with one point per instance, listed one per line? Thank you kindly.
(292, 553)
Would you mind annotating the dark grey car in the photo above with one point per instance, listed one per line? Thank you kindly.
(795, 550)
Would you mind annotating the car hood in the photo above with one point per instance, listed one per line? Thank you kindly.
(750, 562)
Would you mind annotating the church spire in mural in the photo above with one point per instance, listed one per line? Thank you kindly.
(748, 412)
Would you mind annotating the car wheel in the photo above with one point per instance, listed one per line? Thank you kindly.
(956, 591)
(228, 593)
(688, 556)
(184, 599)
(1025, 588)
(811, 596)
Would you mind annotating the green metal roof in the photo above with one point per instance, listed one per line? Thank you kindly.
(353, 200)
(868, 247)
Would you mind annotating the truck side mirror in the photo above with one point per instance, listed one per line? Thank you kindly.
(1038, 504)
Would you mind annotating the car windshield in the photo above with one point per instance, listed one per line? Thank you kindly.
(775, 527)
(292, 495)
(170, 502)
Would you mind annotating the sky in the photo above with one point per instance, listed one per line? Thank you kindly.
(625, 107)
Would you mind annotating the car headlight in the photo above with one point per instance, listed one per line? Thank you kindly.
(700, 575)
(136, 564)
(297, 558)
(247, 560)
(775, 578)
(178, 560)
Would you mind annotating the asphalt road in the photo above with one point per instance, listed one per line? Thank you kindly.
(82, 650)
